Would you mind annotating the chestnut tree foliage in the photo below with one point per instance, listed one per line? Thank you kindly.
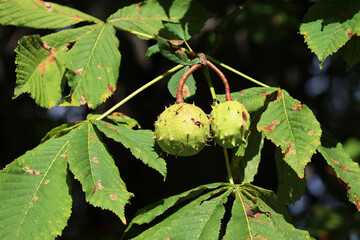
(35, 196)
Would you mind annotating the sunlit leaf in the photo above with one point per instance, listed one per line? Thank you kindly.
(347, 171)
(38, 71)
(35, 201)
(140, 142)
(92, 165)
(40, 14)
(292, 126)
(93, 64)
(329, 24)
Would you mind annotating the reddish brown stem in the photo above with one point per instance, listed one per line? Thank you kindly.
(223, 78)
(179, 95)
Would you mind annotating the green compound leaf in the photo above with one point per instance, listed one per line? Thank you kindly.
(189, 88)
(217, 211)
(38, 71)
(40, 14)
(347, 171)
(92, 165)
(292, 126)
(290, 187)
(140, 142)
(329, 24)
(145, 19)
(35, 201)
(93, 64)
(252, 98)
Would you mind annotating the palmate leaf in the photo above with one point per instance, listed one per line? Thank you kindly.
(38, 71)
(252, 98)
(200, 214)
(93, 166)
(292, 126)
(189, 88)
(347, 171)
(93, 64)
(40, 14)
(35, 201)
(140, 142)
(145, 19)
(329, 24)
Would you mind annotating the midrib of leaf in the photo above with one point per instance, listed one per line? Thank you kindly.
(243, 206)
(89, 58)
(37, 188)
(287, 119)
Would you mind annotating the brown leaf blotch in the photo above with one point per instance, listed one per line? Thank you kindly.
(333, 161)
(100, 186)
(82, 101)
(356, 200)
(95, 189)
(307, 36)
(297, 107)
(47, 5)
(138, 150)
(345, 168)
(113, 197)
(311, 132)
(47, 181)
(271, 127)
(79, 71)
(95, 160)
(110, 89)
(64, 155)
(279, 95)
(32, 172)
(109, 127)
(35, 198)
(186, 91)
(99, 65)
(265, 94)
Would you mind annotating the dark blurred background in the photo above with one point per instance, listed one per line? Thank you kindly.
(263, 42)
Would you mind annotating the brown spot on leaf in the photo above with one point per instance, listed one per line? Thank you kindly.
(271, 127)
(47, 5)
(89, 171)
(45, 45)
(243, 114)
(297, 107)
(242, 92)
(99, 78)
(289, 151)
(79, 71)
(32, 172)
(350, 33)
(173, 45)
(311, 132)
(47, 181)
(35, 198)
(89, 105)
(100, 186)
(257, 215)
(344, 168)
(333, 161)
(95, 160)
(138, 150)
(356, 200)
(186, 91)
(265, 94)
(278, 96)
(113, 197)
(82, 101)
(108, 126)
(95, 189)
(99, 65)
(64, 155)
(346, 184)
(110, 89)
(138, 7)
(307, 36)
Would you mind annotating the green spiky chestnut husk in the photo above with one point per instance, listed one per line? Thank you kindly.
(182, 129)
(230, 123)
